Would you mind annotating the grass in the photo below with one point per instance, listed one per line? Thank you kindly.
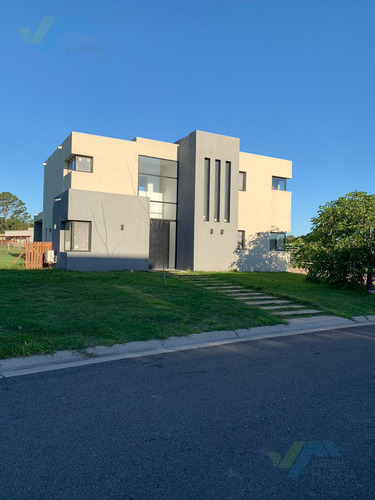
(42, 311)
(8, 256)
(330, 300)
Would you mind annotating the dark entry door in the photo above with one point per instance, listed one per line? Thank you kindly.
(159, 244)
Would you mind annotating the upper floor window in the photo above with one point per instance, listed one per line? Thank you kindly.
(80, 163)
(217, 191)
(228, 178)
(277, 241)
(157, 180)
(206, 189)
(279, 183)
(242, 181)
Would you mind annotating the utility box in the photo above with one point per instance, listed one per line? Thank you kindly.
(49, 257)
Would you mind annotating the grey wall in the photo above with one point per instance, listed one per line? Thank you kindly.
(38, 231)
(186, 203)
(216, 251)
(111, 247)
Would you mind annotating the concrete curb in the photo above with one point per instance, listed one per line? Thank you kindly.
(69, 359)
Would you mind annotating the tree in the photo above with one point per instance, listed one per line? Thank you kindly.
(13, 213)
(340, 249)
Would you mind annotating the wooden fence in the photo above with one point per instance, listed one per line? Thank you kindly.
(34, 254)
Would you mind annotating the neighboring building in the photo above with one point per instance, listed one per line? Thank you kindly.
(17, 238)
(199, 204)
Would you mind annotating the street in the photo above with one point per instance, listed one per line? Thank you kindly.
(198, 424)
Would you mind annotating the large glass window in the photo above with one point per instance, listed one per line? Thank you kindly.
(242, 181)
(158, 181)
(206, 189)
(157, 166)
(228, 173)
(162, 189)
(279, 183)
(217, 191)
(77, 236)
(81, 163)
(277, 241)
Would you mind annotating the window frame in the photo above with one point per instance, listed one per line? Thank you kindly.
(275, 239)
(227, 190)
(275, 177)
(142, 173)
(206, 189)
(71, 224)
(74, 157)
(217, 189)
(241, 245)
(244, 180)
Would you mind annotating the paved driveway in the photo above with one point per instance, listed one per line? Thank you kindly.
(198, 424)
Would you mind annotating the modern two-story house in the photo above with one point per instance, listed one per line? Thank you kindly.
(199, 204)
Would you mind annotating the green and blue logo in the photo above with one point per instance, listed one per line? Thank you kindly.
(40, 31)
(300, 453)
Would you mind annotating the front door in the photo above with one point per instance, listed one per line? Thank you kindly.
(159, 244)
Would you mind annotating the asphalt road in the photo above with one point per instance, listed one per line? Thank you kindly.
(198, 424)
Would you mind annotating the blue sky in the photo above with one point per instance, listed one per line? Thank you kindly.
(292, 79)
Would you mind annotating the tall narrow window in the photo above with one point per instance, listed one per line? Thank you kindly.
(228, 168)
(217, 191)
(240, 239)
(206, 189)
(242, 181)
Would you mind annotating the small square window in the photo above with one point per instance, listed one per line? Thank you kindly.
(279, 183)
(241, 181)
(277, 242)
(81, 163)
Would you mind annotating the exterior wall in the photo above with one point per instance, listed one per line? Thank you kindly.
(115, 168)
(263, 210)
(216, 251)
(214, 243)
(53, 184)
(186, 203)
(38, 227)
(115, 165)
(201, 245)
(111, 247)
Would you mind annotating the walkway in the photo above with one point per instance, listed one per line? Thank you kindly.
(273, 305)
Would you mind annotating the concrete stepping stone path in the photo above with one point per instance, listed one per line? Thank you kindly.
(273, 305)
(293, 306)
(260, 296)
(260, 303)
(295, 313)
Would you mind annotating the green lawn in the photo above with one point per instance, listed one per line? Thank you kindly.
(46, 310)
(8, 256)
(346, 303)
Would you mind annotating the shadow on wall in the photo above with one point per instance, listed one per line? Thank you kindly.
(256, 256)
